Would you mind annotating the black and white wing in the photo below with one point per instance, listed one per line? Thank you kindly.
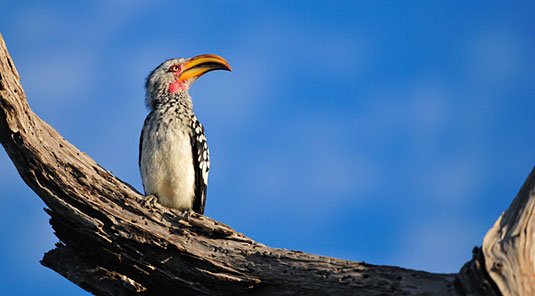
(201, 165)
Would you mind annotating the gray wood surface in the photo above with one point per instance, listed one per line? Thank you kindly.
(509, 247)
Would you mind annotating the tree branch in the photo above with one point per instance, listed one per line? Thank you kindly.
(113, 244)
(509, 246)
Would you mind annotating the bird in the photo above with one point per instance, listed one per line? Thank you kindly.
(174, 160)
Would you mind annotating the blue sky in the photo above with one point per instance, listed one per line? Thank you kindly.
(390, 132)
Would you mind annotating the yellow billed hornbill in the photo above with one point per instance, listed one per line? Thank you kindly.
(173, 154)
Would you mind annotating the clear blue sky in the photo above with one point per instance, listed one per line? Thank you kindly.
(390, 132)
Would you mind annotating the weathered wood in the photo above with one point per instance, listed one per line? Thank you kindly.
(509, 246)
(115, 243)
(473, 279)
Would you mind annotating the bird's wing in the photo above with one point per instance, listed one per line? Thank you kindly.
(201, 165)
(141, 142)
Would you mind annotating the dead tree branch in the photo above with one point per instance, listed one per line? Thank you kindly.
(111, 244)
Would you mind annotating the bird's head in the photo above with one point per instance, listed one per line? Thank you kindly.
(177, 75)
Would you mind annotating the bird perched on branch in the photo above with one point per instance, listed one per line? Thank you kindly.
(173, 154)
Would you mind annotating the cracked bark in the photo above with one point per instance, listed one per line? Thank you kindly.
(112, 243)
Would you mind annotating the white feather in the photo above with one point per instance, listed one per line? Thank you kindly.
(166, 166)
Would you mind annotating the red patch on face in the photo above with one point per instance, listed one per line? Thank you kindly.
(176, 86)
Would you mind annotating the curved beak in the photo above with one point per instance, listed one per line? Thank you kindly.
(197, 66)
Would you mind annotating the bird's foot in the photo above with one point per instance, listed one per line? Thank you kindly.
(149, 201)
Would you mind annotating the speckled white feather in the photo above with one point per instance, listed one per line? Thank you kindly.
(166, 164)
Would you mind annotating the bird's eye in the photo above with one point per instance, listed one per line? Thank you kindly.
(174, 68)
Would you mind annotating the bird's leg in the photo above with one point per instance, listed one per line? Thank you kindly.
(150, 201)
(189, 213)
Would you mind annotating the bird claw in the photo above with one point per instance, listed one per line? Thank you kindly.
(149, 201)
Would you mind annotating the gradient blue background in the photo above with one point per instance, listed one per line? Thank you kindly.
(394, 133)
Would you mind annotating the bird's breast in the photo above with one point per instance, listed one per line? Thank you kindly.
(167, 162)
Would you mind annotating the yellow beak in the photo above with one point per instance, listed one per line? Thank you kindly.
(197, 66)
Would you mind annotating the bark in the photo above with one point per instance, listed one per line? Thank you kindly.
(509, 248)
(113, 241)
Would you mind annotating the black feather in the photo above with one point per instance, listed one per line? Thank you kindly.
(199, 147)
